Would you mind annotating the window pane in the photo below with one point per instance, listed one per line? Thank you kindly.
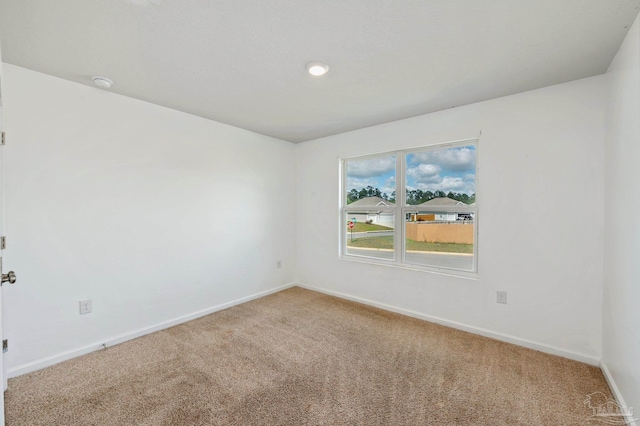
(370, 233)
(371, 181)
(440, 238)
(444, 173)
(438, 212)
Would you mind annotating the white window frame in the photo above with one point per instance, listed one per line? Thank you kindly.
(400, 210)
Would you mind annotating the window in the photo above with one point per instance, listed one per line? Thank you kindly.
(370, 212)
(414, 208)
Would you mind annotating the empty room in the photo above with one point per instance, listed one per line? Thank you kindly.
(320, 212)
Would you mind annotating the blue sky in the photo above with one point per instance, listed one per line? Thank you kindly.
(452, 169)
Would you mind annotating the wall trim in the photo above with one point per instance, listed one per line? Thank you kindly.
(64, 356)
(73, 353)
(614, 389)
(530, 344)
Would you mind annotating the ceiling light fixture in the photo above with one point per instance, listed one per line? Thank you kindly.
(102, 82)
(317, 69)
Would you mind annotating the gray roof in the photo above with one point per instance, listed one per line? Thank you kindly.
(442, 202)
(371, 202)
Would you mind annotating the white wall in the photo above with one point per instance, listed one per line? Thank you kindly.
(157, 215)
(151, 213)
(621, 314)
(540, 195)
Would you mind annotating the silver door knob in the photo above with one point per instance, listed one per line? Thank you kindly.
(10, 277)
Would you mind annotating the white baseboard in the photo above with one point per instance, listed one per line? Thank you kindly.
(64, 356)
(542, 347)
(614, 389)
(55, 359)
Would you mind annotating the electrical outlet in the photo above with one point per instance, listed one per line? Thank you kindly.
(501, 297)
(85, 306)
(279, 264)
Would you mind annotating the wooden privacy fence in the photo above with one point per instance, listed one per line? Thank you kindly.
(454, 232)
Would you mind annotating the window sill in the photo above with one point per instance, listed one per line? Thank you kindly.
(468, 275)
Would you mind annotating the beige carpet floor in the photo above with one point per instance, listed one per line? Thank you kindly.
(303, 358)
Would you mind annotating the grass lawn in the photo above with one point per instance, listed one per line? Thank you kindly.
(387, 243)
(365, 227)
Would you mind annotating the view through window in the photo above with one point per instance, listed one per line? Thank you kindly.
(413, 207)
(370, 216)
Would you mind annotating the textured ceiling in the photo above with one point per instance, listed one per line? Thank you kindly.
(242, 62)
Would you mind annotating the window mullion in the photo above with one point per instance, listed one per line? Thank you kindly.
(401, 198)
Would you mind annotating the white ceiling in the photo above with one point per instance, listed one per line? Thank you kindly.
(242, 62)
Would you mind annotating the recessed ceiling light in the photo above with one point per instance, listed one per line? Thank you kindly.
(317, 69)
(102, 82)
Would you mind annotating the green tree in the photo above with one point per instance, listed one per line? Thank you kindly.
(352, 195)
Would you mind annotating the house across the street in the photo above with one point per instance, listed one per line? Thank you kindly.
(370, 211)
(449, 216)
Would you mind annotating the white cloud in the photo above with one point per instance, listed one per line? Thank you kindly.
(386, 187)
(452, 159)
(445, 170)
(370, 168)
(389, 186)
(424, 173)
(454, 184)
(449, 183)
(360, 183)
